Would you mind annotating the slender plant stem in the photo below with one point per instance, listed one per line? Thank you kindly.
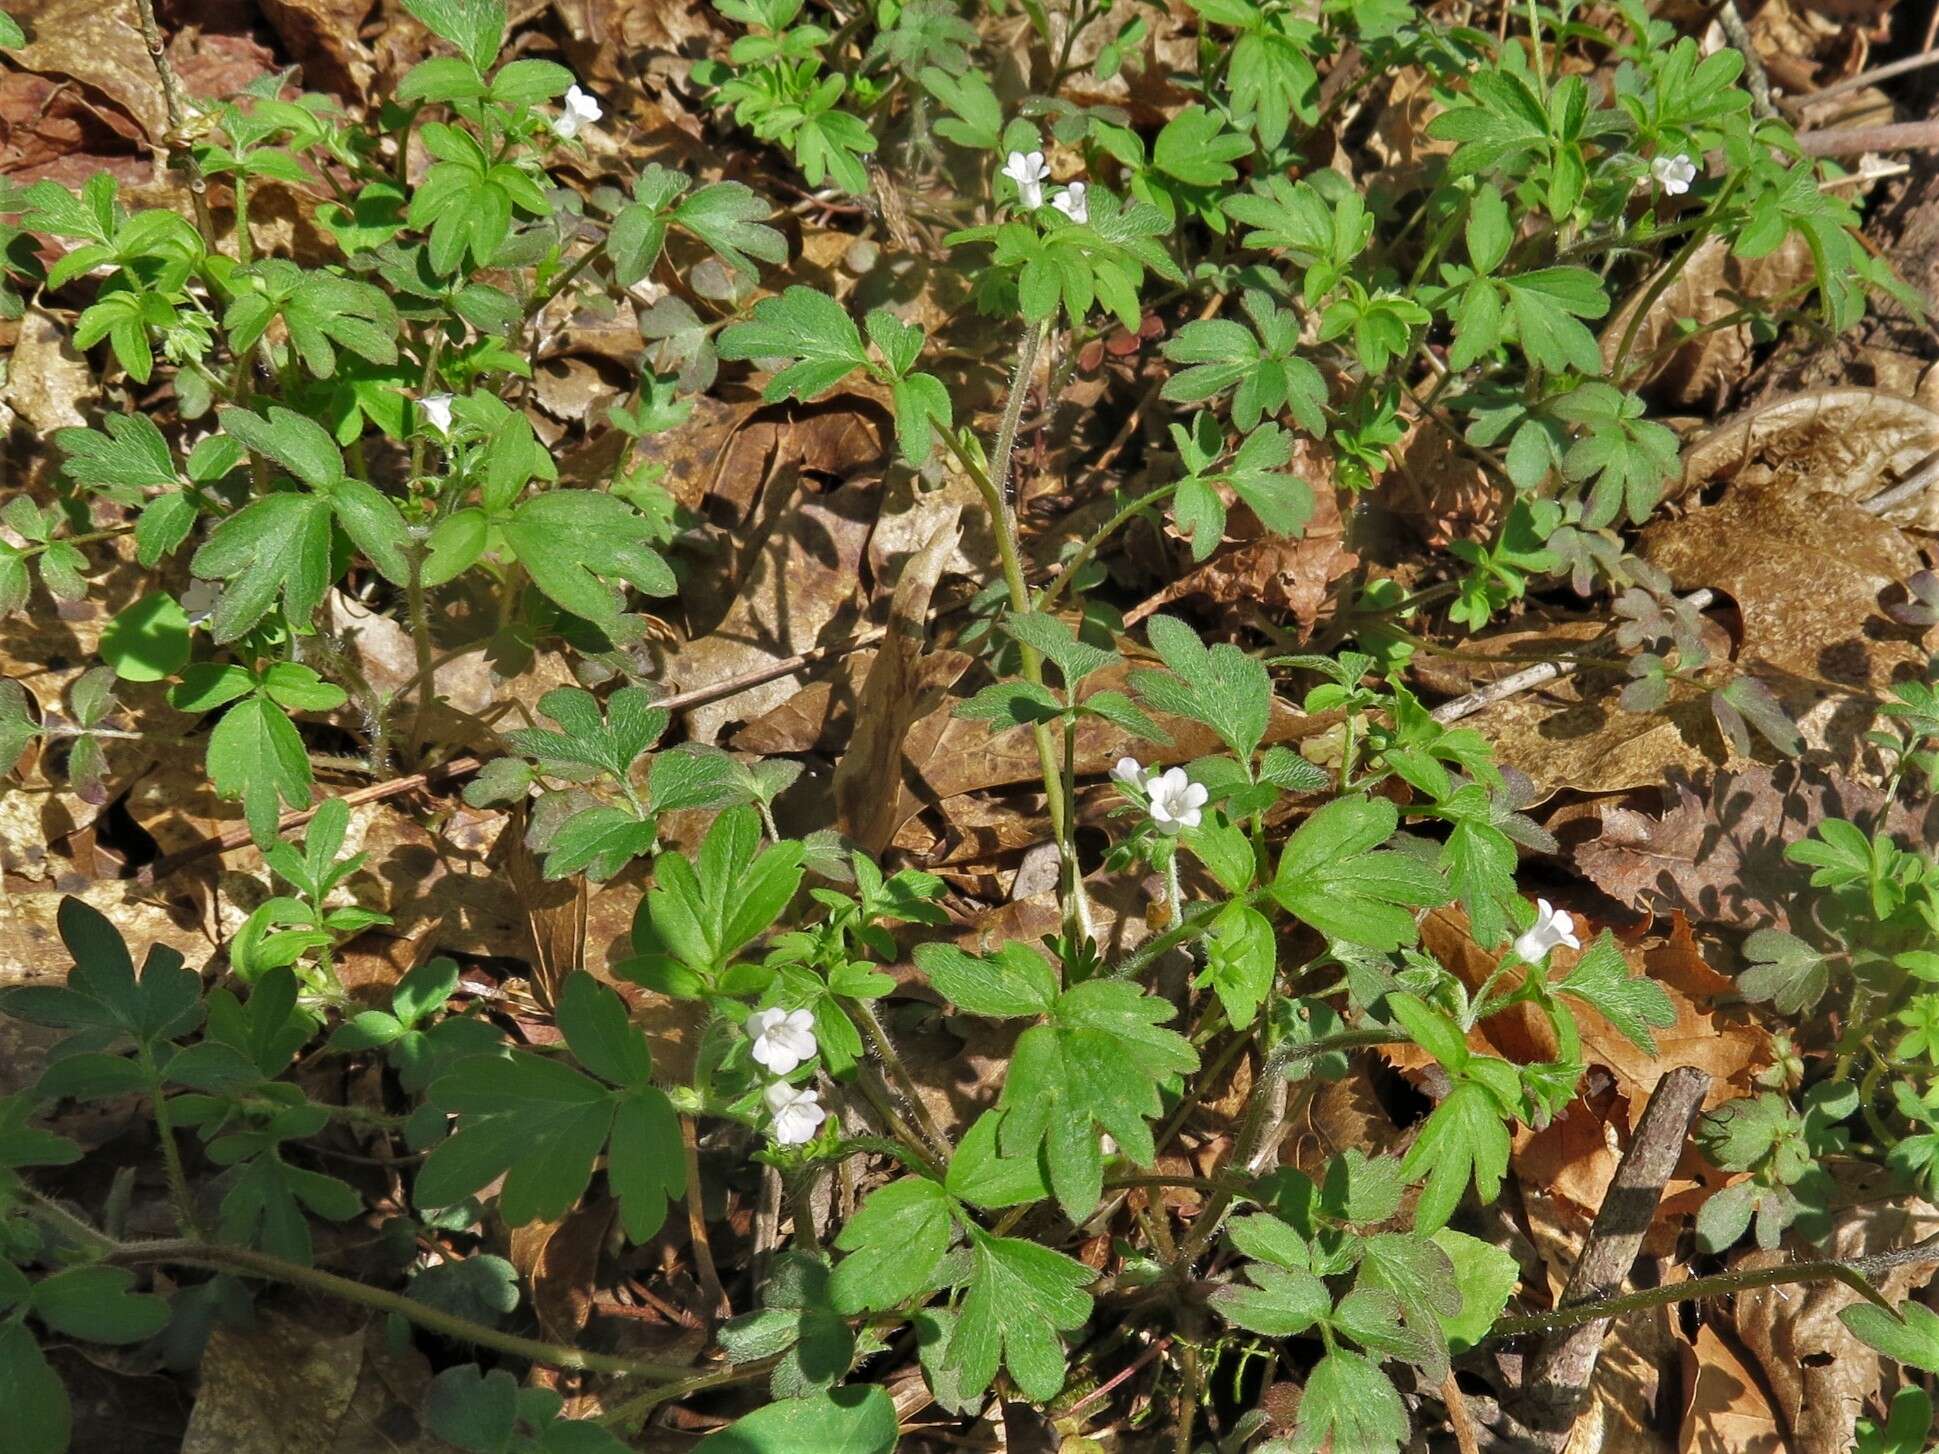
(421, 639)
(179, 155)
(708, 1274)
(863, 1013)
(260, 1264)
(243, 248)
(558, 285)
(178, 1181)
(1047, 597)
(1856, 1273)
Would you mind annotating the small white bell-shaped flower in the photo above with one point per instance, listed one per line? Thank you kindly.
(1175, 799)
(1130, 772)
(1028, 170)
(797, 1112)
(437, 409)
(1552, 927)
(1674, 174)
(580, 109)
(1073, 203)
(782, 1038)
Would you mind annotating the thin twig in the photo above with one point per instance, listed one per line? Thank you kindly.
(1555, 1382)
(705, 1271)
(1863, 79)
(180, 155)
(1848, 141)
(1756, 80)
(1541, 674)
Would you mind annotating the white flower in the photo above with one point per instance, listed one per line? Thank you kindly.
(797, 1112)
(580, 108)
(1072, 203)
(782, 1039)
(1175, 799)
(1130, 772)
(200, 600)
(1028, 171)
(1674, 174)
(1552, 926)
(437, 408)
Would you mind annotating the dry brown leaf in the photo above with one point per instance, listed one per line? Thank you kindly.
(1286, 578)
(1572, 734)
(321, 35)
(1726, 1410)
(803, 578)
(48, 384)
(559, 1262)
(902, 684)
(1844, 441)
(1713, 285)
(282, 1383)
(1822, 1376)
(1717, 854)
(99, 46)
(1806, 569)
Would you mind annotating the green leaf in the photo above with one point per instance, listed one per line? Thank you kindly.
(96, 1304)
(895, 1242)
(976, 115)
(131, 455)
(292, 440)
(1784, 970)
(148, 641)
(535, 1121)
(255, 754)
(859, 1420)
(30, 1391)
(599, 842)
(475, 27)
(981, 1175)
(808, 330)
(1021, 1296)
(1486, 1276)
(1351, 1402)
(1463, 1138)
(601, 1034)
(1195, 147)
(1911, 1338)
(1222, 687)
(578, 543)
(1333, 875)
(1015, 980)
(732, 220)
(1282, 1302)
(1240, 959)
(278, 544)
(1632, 1003)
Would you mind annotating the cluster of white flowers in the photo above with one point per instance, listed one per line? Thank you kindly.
(783, 1041)
(1172, 799)
(579, 110)
(1552, 927)
(1673, 174)
(1029, 171)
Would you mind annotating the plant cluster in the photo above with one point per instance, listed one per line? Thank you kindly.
(343, 425)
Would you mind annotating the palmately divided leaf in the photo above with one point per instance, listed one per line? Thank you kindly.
(1021, 1296)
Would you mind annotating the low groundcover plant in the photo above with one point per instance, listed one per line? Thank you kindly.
(281, 430)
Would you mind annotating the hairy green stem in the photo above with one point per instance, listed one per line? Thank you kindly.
(863, 1014)
(1855, 1273)
(186, 1252)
